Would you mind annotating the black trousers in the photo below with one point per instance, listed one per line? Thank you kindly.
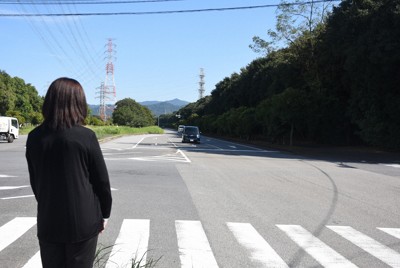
(64, 255)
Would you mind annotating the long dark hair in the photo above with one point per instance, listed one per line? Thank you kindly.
(65, 104)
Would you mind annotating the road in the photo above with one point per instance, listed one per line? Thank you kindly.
(222, 204)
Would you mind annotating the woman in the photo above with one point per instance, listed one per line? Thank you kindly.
(69, 178)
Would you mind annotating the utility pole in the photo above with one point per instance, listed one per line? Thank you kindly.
(107, 89)
(201, 83)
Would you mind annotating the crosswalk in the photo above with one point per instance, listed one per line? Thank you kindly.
(195, 250)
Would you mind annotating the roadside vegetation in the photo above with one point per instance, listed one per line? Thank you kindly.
(109, 131)
(325, 76)
(103, 132)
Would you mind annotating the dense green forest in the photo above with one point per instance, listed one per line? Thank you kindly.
(335, 82)
(20, 100)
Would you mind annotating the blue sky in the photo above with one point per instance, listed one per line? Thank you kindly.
(158, 57)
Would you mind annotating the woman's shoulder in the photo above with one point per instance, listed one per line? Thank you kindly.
(36, 131)
(84, 130)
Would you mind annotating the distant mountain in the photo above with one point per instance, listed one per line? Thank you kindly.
(165, 107)
(178, 102)
(145, 103)
(157, 107)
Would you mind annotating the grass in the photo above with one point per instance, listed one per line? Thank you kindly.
(136, 262)
(110, 131)
(25, 130)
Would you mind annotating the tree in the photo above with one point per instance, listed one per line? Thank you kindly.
(294, 19)
(130, 113)
(17, 96)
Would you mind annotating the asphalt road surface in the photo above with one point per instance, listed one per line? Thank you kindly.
(222, 204)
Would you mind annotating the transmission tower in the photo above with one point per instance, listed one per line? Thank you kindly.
(107, 90)
(201, 83)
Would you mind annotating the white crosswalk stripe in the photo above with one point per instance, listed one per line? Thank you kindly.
(194, 249)
(12, 230)
(392, 231)
(368, 244)
(315, 247)
(131, 243)
(260, 251)
(34, 262)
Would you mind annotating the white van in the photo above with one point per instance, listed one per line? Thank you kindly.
(9, 128)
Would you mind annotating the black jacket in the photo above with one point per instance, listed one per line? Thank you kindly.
(70, 181)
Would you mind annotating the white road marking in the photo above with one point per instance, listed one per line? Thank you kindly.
(238, 144)
(10, 231)
(12, 187)
(187, 159)
(194, 249)
(392, 165)
(7, 176)
(34, 262)
(17, 197)
(376, 249)
(392, 231)
(131, 244)
(230, 150)
(234, 147)
(134, 146)
(260, 251)
(321, 252)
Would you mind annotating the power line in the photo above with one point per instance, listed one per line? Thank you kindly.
(86, 2)
(164, 12)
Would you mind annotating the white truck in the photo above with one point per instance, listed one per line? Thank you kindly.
(9, 128)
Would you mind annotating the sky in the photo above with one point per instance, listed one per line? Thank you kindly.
(156, 57)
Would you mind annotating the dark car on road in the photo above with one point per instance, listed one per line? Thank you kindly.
(180, 129)
(191, 134)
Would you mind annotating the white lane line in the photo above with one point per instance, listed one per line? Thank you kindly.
(17, 197)
(131, 243)
(392, 231)
(13, 229)
(239, 144)
(194, 249)
(260, 251)
(229, 150)
(373, 247)
(392, 165)
(12, 187)
(7, 176)
(134, 146)
(34, 262)
(321, 252)
(234, 147)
